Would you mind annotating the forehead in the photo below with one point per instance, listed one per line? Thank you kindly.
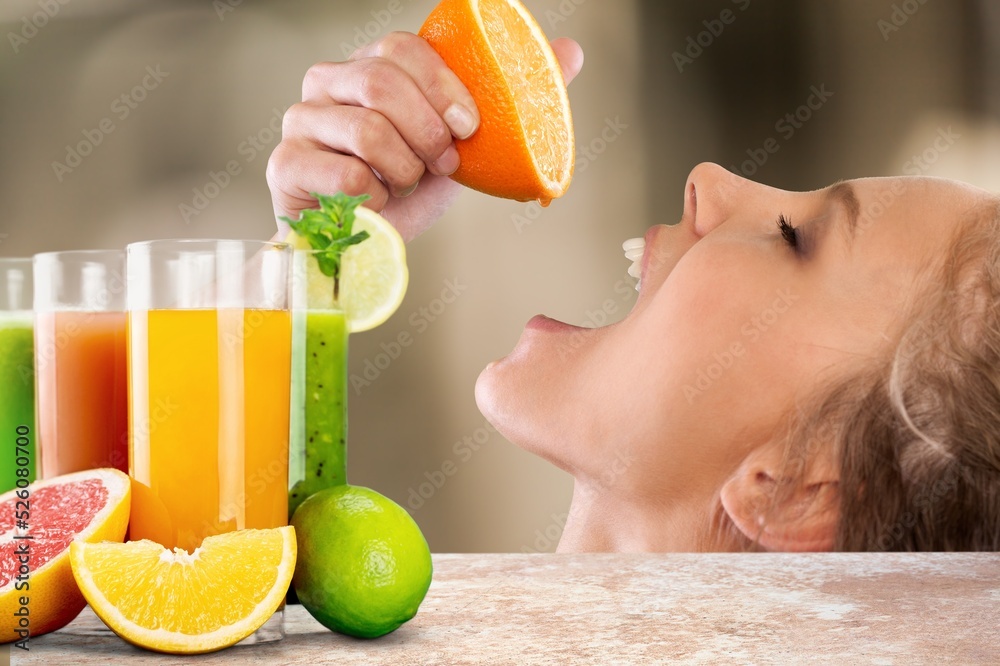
(917, 211)
(903, 235)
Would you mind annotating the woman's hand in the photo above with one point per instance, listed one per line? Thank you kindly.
(382, 123)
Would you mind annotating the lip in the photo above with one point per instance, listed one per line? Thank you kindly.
(543, 323)
(650, 238)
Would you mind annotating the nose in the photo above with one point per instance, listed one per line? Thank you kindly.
(712, 194)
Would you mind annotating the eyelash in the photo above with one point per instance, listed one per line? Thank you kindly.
(789, 233)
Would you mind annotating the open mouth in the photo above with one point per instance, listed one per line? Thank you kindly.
(642, 262)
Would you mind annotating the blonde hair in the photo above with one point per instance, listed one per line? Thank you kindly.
(918, 431)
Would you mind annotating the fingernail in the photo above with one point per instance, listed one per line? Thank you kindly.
(408, 191)
(463, 123)
(448, 163)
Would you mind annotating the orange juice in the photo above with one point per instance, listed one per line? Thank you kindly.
(208, 422)
(82, 408)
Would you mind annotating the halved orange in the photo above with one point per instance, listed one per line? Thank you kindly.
(187, 603)
(37, 525)
(524, 148)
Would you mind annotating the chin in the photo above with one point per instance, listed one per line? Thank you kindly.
(510, 389)
(498, 401)
(511, 392)
(486, 397)
(530, 396)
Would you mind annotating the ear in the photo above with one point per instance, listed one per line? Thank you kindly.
(801, 516)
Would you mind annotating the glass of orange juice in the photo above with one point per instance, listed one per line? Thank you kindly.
(209, 350)
(80, 386)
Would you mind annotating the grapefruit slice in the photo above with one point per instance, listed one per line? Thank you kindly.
(92, 506)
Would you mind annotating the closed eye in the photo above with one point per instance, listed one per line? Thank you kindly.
(788, 233)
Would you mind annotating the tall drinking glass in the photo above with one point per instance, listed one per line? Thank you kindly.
(17, 374)
(318, 447)
(209, 335)
(80, 361)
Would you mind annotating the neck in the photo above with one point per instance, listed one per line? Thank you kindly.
(601, 520)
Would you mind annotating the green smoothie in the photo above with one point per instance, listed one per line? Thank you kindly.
(17, 396)
(318, 442)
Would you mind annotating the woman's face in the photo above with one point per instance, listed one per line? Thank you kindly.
(733, 325)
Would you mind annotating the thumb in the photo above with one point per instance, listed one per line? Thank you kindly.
(570, 57)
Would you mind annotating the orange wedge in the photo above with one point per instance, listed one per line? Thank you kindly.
(187, 603)
(524, 148)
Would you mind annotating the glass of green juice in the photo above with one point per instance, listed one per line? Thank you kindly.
(317, 456)
(17, 373)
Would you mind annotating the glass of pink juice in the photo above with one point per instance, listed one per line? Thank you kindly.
(80, 361)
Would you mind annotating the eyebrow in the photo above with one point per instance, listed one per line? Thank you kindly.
(843, 193)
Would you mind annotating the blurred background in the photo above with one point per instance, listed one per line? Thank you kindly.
(164, 94)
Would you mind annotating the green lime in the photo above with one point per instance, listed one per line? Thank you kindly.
(363, 566)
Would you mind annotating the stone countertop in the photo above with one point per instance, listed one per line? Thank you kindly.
(642, 609)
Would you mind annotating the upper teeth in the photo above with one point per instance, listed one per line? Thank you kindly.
(634, 249)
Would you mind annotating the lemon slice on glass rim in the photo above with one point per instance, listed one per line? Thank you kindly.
(373, 273)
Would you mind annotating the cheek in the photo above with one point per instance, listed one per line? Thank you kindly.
(716, 332)
(711, 309)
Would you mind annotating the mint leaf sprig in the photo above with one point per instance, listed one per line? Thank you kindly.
(329, 230)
